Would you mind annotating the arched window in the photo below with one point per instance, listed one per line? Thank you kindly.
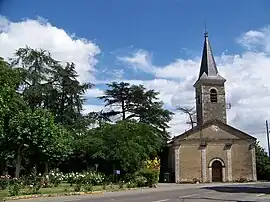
(213, 95)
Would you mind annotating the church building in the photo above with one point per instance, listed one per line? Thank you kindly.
(212, 151)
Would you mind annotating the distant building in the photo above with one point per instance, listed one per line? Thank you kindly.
(213, 151)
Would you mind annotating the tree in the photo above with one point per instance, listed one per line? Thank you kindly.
(135, 102)
(191, 112)
(118, 98)
(49, 85)
(10, 104)
(35, 132)
(262, 163)
(124, 144)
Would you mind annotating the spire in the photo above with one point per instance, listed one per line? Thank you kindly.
(208, 64)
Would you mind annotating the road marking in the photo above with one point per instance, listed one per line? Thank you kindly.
(161, 200)
(189, 195)
(259, 195)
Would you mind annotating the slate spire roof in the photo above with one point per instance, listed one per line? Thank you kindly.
(208, 69)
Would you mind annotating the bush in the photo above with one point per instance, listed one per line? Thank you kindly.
(55, 177)
(14, 187)
(131, 185)
(93, 178)
(152, 176)
(140, 181)
(88, 187)
(4, 181)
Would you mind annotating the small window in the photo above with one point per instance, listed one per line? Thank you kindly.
(213, 95)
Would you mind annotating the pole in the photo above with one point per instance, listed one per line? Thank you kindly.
(267, 133)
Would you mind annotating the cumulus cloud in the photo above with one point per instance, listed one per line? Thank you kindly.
(256, 39)
(247, 85)
(41, 34)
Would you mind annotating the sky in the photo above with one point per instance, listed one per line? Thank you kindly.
(157, 43)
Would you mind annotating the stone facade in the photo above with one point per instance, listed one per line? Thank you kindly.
(196, 152)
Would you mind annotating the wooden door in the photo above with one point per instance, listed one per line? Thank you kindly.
(216, 171)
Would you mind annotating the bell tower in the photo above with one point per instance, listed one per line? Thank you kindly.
(209, 88)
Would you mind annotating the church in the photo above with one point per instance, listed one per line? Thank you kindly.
(212, 151)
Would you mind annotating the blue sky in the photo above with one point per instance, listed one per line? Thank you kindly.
(154, 42)
(160, 26)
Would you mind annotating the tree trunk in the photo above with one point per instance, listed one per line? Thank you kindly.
(46, 168)
(191, 120)
(18, 164)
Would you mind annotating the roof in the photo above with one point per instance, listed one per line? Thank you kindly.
(222, 125)
(208, 69)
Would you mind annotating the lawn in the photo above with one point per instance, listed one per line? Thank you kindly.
(61, 189)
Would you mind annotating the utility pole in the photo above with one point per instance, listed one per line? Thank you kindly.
(267, 133)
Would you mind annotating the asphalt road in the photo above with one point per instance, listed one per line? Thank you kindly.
(249, 192)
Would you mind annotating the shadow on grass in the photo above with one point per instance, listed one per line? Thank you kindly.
(240, 189)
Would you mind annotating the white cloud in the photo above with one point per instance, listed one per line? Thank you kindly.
(41, 34)
(93, 93)
(247, 85)
(139, 60)
(91, 108)
(256, 39)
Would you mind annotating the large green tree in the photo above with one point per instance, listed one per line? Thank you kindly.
(50, 85)
(10, 104)
(124, 144)
(135, 102)
(35, 132)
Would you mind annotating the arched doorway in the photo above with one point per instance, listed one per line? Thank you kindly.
(216, 171)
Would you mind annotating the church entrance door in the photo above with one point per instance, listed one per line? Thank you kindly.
(216, 171)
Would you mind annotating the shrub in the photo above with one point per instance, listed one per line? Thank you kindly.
(121, 184)
(195, 180)
(242, 180)
(93, 178)
(14, 187)
(131, 185)
(140, 181)
(88, 187)
(4, 181)
(55, 177)
(152, 176)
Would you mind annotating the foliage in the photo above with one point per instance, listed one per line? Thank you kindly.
(49, 85)
(35, 132)
(93, 178)
(140, 181)
(135, 102)
(150, 175)
(262, 163)
(55, 177)
(153, 164)
(4, 180)
(14, 187)
(42, 124)
(127, 143)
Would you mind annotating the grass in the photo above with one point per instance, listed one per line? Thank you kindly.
(62, 188)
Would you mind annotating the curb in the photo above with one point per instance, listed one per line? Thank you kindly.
(53, 195)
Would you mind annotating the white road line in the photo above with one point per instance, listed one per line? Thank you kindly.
(161, 200)
(188, 195)
(259, 195)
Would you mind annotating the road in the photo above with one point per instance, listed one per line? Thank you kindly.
(248, 192)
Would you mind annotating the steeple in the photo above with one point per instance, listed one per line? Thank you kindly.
(208, 64)
(208, 69)
(209, 88)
